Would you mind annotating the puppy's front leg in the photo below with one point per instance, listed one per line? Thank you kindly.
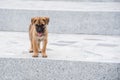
(31, 46)
(39, 47)
(35, 48)
(44, 48)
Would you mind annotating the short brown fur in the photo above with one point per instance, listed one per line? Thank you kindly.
(35, 40)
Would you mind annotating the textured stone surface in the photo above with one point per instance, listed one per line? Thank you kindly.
(45, 69)
(86, 18)
(56, 5)
(70, 57)
(118, 72)
(96, 48)
(72, 0)
(87, 23)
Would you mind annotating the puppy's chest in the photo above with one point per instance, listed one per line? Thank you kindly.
(40, 38)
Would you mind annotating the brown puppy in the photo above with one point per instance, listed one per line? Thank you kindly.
(38, 33)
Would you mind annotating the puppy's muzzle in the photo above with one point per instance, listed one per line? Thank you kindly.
(40, 30)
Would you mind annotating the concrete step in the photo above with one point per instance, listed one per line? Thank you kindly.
(70, 57)
(73, 0)
(65, 17)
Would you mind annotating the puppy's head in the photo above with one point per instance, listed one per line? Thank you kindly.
(40, 24)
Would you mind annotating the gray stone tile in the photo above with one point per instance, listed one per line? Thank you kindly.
(44, 69)
(64, 46)
(84, 62)
(75, 17)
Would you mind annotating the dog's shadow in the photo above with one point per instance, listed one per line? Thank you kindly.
(63, 43)
(48, 49)
(27, 51)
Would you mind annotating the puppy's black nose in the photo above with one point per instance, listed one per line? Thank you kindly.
(39, 29)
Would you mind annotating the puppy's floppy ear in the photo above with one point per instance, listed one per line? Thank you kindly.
(33, 20)
(47, 20)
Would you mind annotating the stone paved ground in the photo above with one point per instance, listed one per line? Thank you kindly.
(64, 47)
(60, 5)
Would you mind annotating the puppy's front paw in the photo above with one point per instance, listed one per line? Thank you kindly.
(44, 56)
(40, 51)
(34, 55)
(30, 51)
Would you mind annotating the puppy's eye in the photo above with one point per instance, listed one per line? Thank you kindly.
(42, 24)
(44, 20)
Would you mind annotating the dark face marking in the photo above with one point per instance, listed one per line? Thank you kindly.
(40, 28)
